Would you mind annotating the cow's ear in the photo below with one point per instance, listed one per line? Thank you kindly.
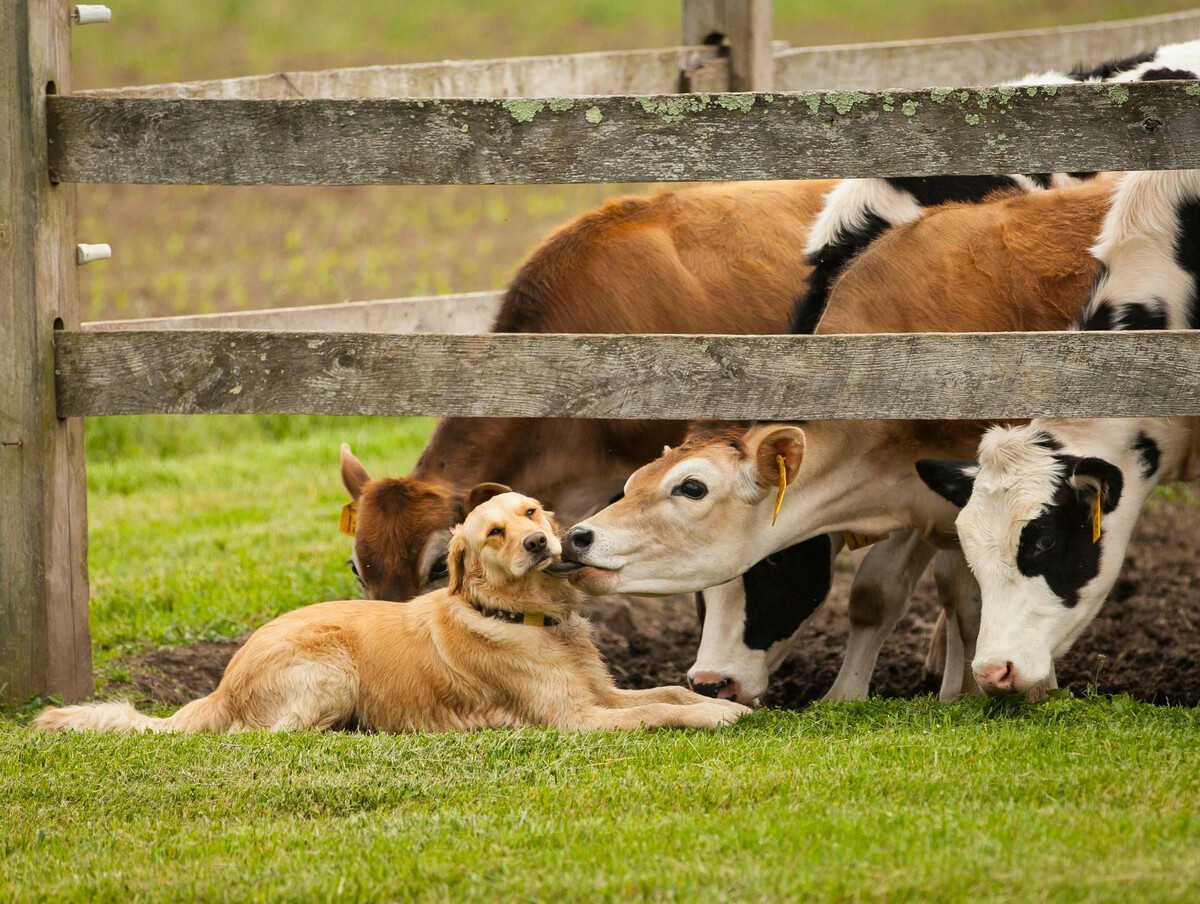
(354, 475)
(1095, 475)
(768, 446)
(953, 480)
(482, 492)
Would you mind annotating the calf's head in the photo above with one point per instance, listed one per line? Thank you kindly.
(402, 529)
(691, 519)
(1045, 532)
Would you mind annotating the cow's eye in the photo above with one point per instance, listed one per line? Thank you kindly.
(439, 569)
(354, 569)
(691, 488)
(1045, 542)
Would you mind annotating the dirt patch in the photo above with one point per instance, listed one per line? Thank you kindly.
(1145, 642)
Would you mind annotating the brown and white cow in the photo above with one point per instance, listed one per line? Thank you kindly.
(702, 514)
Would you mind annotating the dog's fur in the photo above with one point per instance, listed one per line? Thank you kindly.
(438, 663)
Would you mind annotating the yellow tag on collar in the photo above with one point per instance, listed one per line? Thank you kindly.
(1096, 518)
(349, 519)
(782, 487)
(534, 618)
(858, 541)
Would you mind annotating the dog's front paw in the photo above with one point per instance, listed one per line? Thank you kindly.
(723, 712)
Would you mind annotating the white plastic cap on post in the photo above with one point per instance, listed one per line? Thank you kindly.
(91, 14)
(85, 254)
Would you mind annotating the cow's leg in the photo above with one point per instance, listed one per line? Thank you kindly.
(959, 595)
(879, 598)
(935, 656)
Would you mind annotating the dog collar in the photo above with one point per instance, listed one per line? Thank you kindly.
(538, 619)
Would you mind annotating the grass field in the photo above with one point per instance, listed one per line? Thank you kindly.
(201, 528)
(902, 801)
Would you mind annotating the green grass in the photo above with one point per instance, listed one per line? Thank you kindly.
(899, 801)
(201, 528)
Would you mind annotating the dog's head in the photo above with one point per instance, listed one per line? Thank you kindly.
(499, 555)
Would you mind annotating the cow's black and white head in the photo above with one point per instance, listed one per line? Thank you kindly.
(1044, 528)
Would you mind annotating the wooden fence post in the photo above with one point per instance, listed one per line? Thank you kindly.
(744, 27)
(44, 640)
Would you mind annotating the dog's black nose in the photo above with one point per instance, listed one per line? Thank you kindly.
(535, 542)
(579, 538)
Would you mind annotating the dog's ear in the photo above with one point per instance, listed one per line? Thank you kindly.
(456, 560)
(354, 475)
(482, 492)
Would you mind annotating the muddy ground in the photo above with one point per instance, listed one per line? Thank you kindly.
(1145, 643)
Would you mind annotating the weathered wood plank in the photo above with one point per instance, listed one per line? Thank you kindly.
(1152, 125)
(742, 29)
(772, 377)
(472, 312)
(617, 72)
(44, 642)
(982, 59)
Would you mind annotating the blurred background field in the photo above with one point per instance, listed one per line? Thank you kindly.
(204, 527)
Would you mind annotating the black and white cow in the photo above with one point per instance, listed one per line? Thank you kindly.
(1048, 509)
(747, 628)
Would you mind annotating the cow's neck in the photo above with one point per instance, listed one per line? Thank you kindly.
(861, 476)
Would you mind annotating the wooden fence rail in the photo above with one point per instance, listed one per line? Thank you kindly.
(470, 312)
(975, 59)
(655, 71)
(1153, 125)
(943, 376)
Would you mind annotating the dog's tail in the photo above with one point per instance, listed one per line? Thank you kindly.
(206, 714)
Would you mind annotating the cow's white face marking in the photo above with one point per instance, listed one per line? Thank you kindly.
(675, 530)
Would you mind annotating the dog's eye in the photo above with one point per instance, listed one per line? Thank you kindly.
(531, 513)
(496, 532)
(691, 488)
(439, 569)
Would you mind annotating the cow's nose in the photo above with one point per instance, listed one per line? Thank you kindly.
(579, 538)
(535, 542)
(714, 684)
(997, 677)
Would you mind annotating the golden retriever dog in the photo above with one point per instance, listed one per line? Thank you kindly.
(503, 645)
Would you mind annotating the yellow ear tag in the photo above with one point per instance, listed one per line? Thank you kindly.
(1096, 519)
(782, 487)
(349, 519)
(859, 541)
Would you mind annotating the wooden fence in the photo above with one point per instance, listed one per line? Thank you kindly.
(536, 119)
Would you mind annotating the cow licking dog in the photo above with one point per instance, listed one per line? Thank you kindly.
(503, 645)
(1048, 508)
(676, 261)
